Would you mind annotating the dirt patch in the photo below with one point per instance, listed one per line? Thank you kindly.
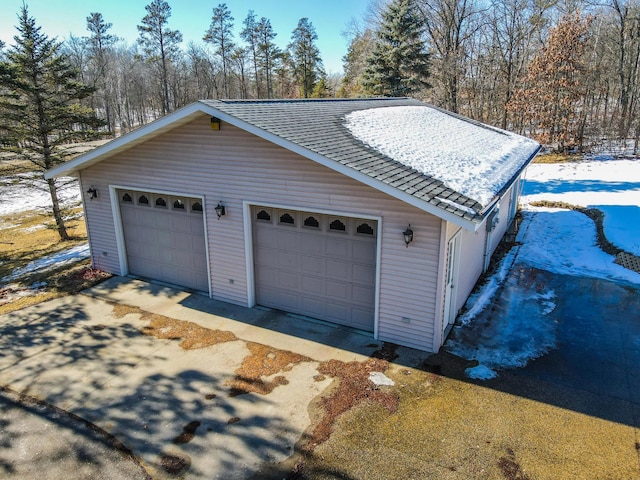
(510, 468)
(188, 433)
(42, 286)
(174, 464)
(233, 420)
(264, 361)
(353, 388)
(386, 352)
(193, 335)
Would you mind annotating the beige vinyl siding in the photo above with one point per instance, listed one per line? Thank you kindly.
(473, 248)
(234, 166)
(503, 224)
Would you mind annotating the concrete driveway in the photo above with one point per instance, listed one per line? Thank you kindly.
(213, 402)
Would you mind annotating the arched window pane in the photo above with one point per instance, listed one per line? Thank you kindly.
(337, 225)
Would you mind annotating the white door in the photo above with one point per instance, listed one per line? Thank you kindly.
(453, 258)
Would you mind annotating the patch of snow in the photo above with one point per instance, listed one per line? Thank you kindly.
(611, 186)
(564, 242)
(21, 197)
(456, 205)
(379, 378)
(472, 159)
(482, 297)
(524, 332)
(65, 257)
(481, 372)
(622, 226)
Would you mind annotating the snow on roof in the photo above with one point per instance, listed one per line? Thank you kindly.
(473, 159)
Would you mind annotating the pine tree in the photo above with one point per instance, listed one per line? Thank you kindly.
(399, 65)
(268, 52)
(160, 44)
(220, 34)
(306, 56)
(40, 97)
(250, 35)
(99, 44)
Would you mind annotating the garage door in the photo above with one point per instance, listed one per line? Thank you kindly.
(164, 238)
(317, 265)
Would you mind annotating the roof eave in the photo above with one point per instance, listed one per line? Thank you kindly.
(127, 141)
(190, 112)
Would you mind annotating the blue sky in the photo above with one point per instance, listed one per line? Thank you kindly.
(192, 17)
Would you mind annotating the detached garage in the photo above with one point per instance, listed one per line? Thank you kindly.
(375, 214)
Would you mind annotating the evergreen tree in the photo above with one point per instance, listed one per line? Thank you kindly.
(99, 44)
(306, 56)
(40, 99)
(268, 52)
(160, 44)
(250, 35)
(220, 34)
(398, 65)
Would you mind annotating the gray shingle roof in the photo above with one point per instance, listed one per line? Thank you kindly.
(318, 126)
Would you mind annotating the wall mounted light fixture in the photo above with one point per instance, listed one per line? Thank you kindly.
(93, 193)
(215, 123)
(408, 236)
(220, 210)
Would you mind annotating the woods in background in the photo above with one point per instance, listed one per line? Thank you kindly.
(565, 72)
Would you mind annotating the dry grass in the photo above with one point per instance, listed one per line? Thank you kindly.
(449, 429)
(27, 236)
(353, 388)
(557, 158)
(60, 282)
(193, 336)
(264, 361)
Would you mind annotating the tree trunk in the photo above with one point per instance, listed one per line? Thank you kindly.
(57, 212)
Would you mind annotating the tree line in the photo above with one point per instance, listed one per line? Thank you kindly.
(566, 72)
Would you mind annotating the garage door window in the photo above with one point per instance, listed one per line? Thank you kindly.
(311, 222)
(337, 226)
(196, 207)
(126, 198)
(287, 219)
(263, 216)
(178, 205)
(161, 202)
(364, 229)
(143, 200)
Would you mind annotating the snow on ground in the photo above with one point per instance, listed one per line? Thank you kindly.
(478, 161)
(59, 259)
(554, 240)
(564, 242)
(612, 186)
(16, 197)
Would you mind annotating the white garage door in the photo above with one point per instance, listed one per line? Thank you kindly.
(317, 265)
(164, 238)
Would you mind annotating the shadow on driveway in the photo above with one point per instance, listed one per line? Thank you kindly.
(582, 336)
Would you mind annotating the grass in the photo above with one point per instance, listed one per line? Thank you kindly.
(447, 428)
(557, 158)
(29, 236)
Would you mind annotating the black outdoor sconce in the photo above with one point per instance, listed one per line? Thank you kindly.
(215, 123)
(220, 210)
(408, 236)
(93, 193)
